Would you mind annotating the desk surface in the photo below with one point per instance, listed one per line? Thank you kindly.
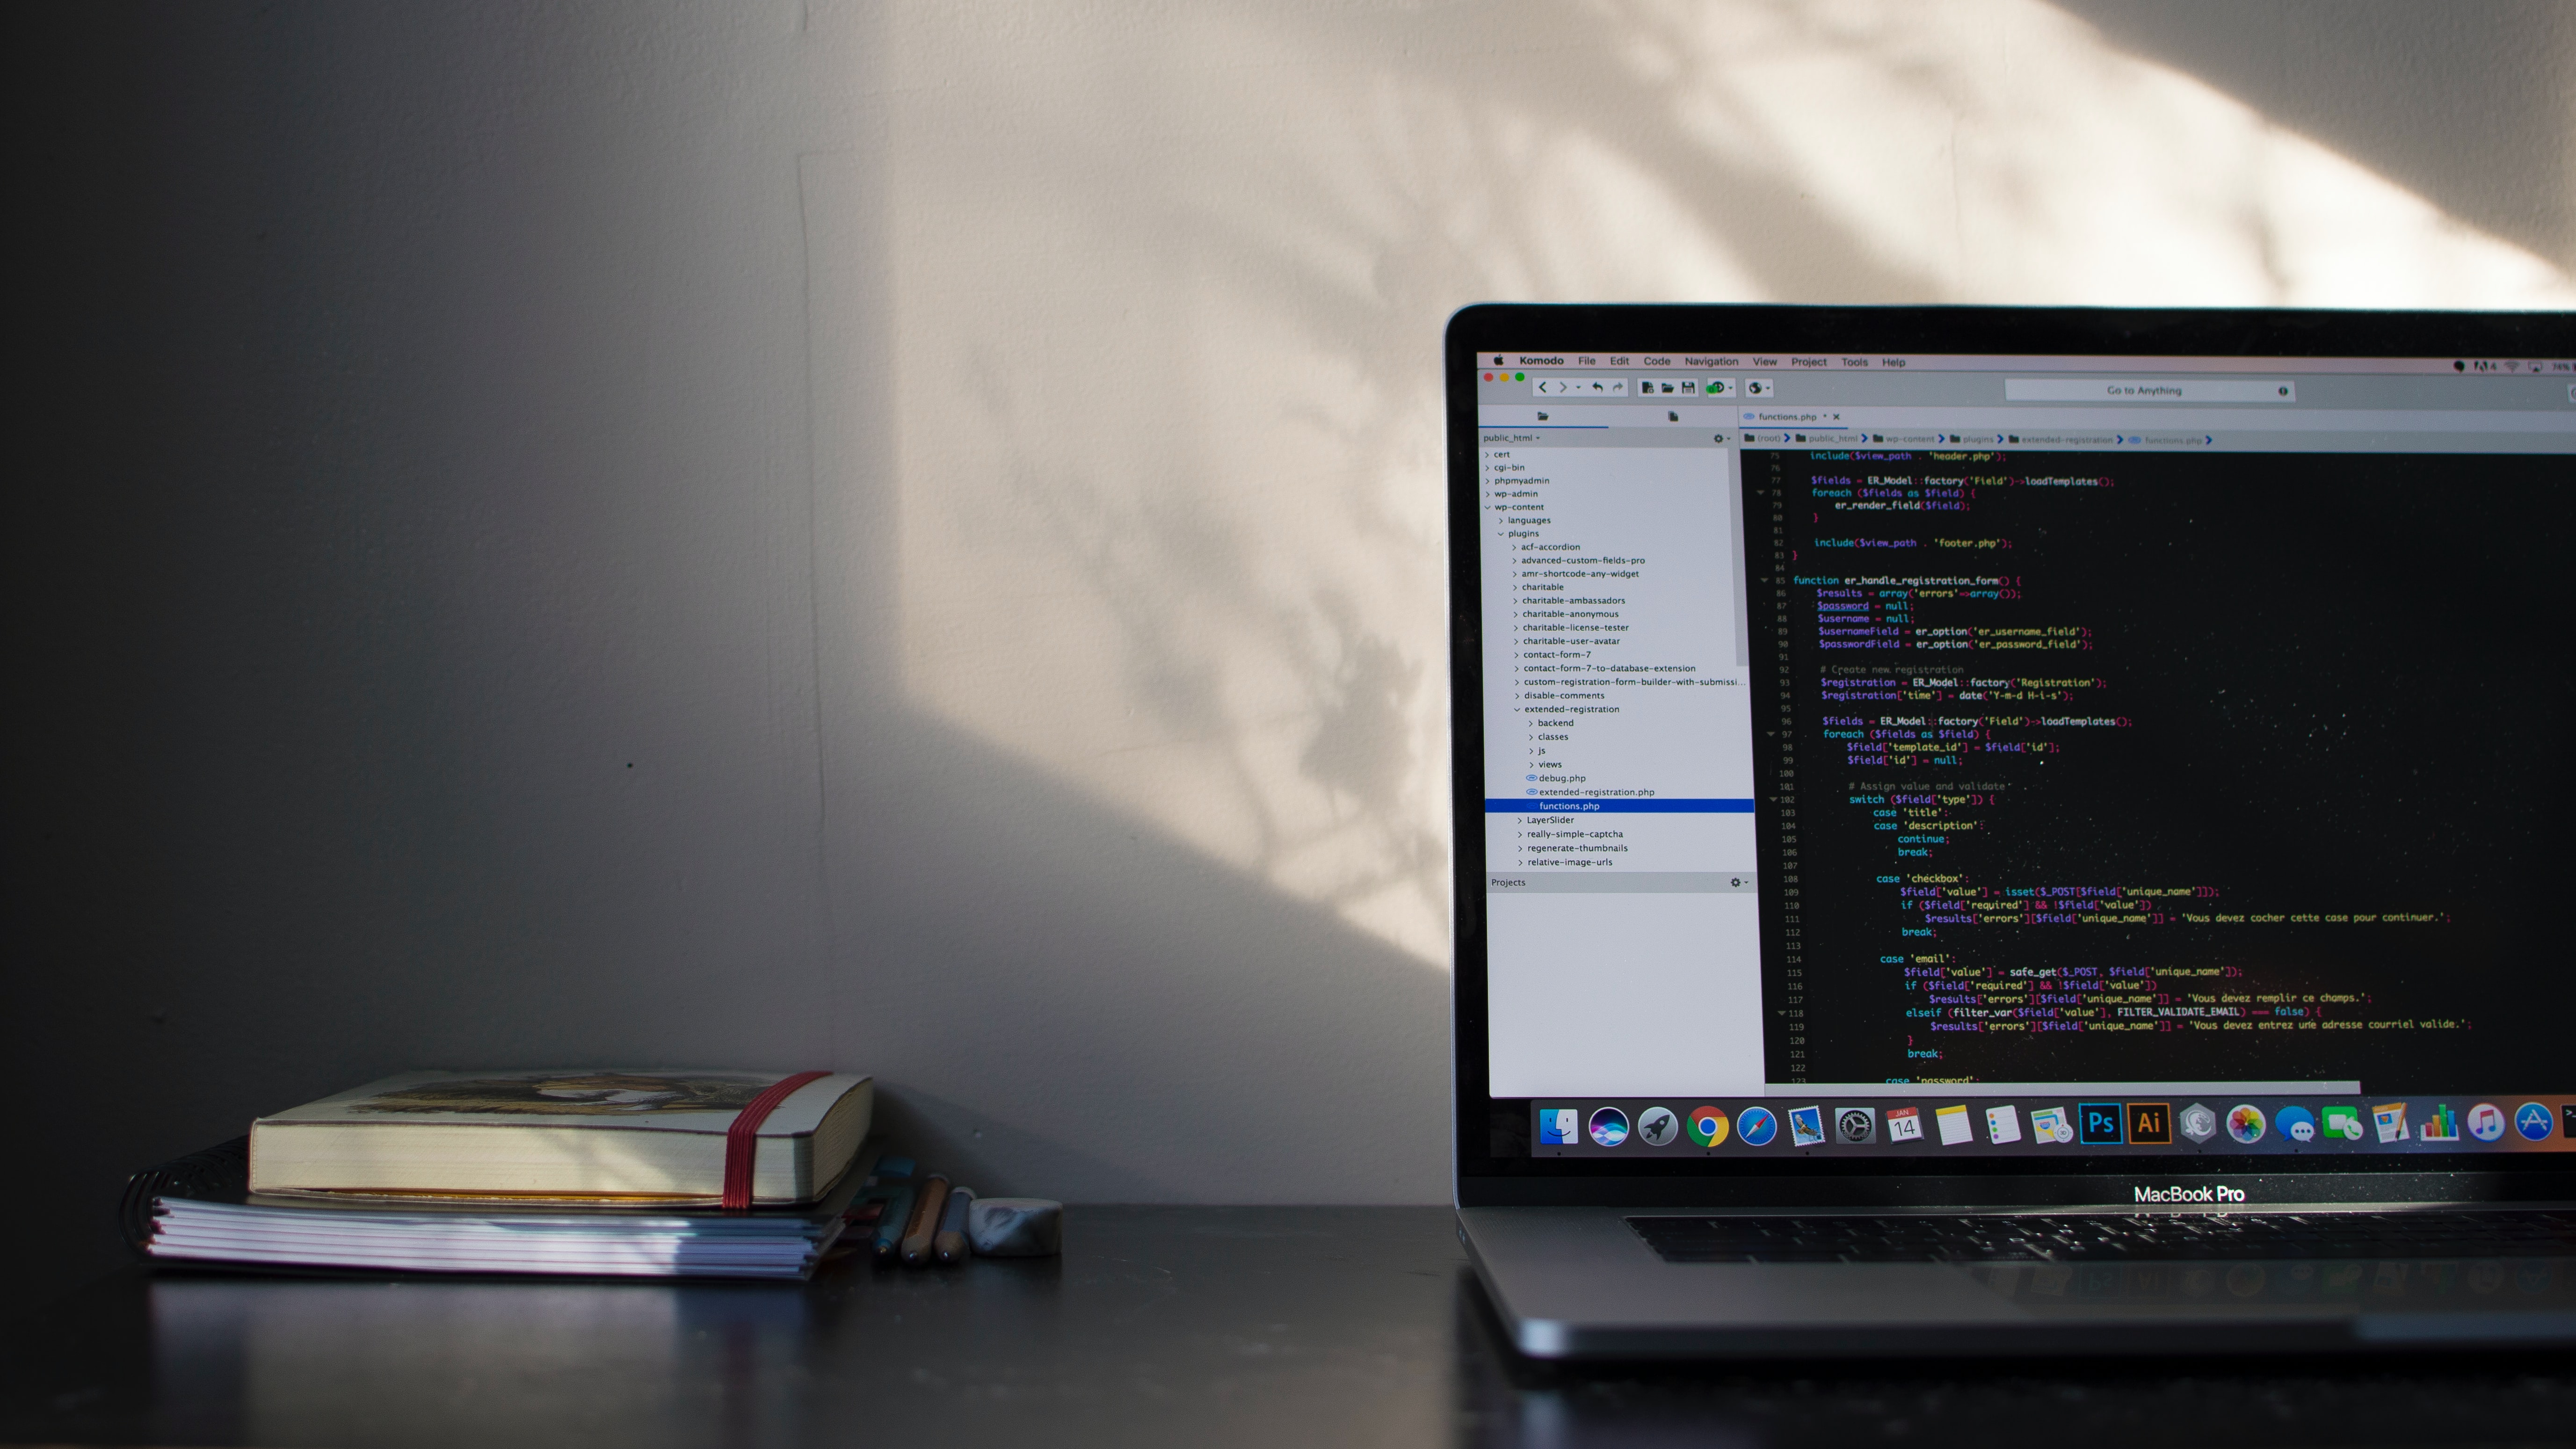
(1232, 1326)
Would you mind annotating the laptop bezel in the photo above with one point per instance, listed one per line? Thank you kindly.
(1485, 1177)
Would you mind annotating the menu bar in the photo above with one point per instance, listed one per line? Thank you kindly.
(1495, 363)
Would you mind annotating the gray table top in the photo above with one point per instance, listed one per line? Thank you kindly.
(1233, 1326)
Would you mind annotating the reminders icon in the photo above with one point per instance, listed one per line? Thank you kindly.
(1558, 1126)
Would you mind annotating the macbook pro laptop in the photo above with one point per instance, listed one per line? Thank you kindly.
(2029, 831)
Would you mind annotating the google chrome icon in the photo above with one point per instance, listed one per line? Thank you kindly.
(1707, 1126)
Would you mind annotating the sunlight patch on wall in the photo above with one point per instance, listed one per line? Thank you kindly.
(2003, 152)
(1168, 285)
(1169, 317)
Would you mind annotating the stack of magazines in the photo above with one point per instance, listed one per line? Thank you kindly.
(627, 1174)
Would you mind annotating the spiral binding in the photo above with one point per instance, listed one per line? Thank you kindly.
(217, 1171)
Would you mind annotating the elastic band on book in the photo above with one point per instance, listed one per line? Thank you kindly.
(742, 1139)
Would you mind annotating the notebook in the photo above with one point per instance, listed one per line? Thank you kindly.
(198, 1212)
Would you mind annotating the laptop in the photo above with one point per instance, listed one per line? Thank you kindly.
(2014, 831)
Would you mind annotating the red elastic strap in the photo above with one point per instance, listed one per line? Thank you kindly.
(742, 1139)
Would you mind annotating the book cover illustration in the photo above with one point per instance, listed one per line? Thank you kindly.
(675, 1099)
(557, 1094)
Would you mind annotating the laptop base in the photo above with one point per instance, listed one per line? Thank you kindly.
(1580, 1283)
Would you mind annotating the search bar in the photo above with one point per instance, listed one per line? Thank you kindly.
(2149, 390)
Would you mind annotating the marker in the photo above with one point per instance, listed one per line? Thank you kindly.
(925, 1220)
(949, 1244)
(889, 1186)
(898, 1211)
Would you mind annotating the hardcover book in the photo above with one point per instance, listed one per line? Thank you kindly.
(652, 1136)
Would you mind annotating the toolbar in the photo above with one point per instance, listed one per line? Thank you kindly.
(1498, 365)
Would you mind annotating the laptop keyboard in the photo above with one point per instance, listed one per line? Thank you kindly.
(2089, 1237)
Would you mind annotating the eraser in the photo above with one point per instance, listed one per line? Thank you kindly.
(1015, 1227)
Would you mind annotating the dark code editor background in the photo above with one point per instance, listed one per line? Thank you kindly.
(2088, 767)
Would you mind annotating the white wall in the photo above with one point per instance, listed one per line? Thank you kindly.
(905, 537)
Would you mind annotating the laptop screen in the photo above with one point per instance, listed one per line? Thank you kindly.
(1940, 754)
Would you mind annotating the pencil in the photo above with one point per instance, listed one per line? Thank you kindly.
(949, 1244)
(925, 1220)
